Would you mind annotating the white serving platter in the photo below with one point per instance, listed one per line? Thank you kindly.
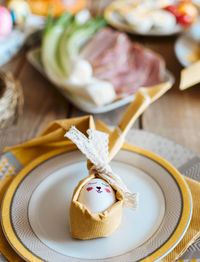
(34, 58)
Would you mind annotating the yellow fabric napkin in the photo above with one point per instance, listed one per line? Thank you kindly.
(52, 138)
(190, 76)
(193, 231)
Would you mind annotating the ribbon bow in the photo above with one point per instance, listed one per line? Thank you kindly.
(95, 148)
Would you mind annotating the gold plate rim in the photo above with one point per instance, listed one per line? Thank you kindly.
(162, 251)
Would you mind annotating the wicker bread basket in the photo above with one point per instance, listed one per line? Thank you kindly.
(11, 99)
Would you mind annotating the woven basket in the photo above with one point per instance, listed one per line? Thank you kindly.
(11, 99)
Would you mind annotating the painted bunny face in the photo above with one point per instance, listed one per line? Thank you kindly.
(97, 195)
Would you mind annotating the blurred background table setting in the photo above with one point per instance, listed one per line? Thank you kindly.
(65, 61)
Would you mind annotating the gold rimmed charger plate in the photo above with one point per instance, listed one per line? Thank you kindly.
(35, 209)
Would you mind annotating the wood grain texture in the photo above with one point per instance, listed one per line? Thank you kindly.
(43, 104)
(176, 114)
(15, 65)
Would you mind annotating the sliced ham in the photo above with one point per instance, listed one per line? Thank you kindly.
(157, 72)
(97, 45)
(126, 65)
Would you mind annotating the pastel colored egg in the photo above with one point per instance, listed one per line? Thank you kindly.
(19, 10)
(189, 8)
(163, 20)
(97, 195)
(139, 20)
(5, 22)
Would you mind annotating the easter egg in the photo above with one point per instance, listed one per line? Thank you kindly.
(97, 195)
(163, 20)
(19, 10)
(5, 22)
(140, 20)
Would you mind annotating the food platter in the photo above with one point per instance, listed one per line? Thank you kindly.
(34, 58)
(113, 18)
(151, 18)
(35, 209)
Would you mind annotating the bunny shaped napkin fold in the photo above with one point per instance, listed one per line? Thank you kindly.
(52, 140)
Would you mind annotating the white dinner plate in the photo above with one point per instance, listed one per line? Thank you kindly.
(188, 43)
(35, 211)
(34, 58)
(184, 46)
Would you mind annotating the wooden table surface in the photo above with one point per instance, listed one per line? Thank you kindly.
(176, 115)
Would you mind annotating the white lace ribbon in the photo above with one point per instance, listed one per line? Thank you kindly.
(95, 148)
